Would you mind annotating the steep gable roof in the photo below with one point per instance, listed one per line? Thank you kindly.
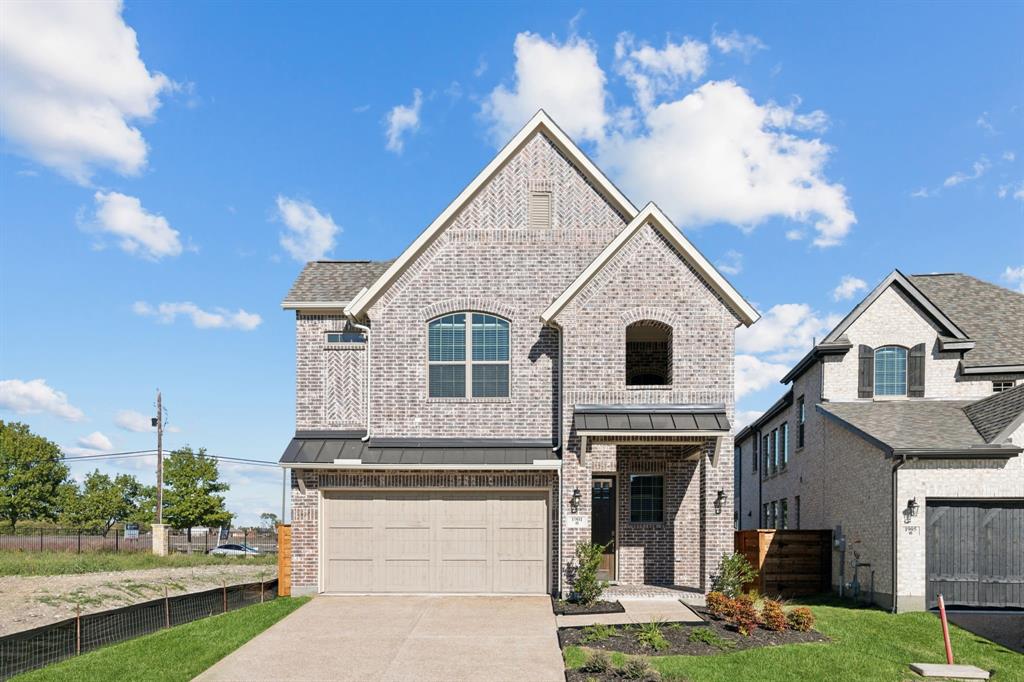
(541, 123)
(652, 215)
(993, 317)
(332, 283)
(999, 415)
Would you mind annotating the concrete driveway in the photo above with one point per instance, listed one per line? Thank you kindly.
(403, 638)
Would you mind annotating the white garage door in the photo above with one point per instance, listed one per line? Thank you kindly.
(492, 542)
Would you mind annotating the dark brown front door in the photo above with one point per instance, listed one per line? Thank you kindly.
(602, 523)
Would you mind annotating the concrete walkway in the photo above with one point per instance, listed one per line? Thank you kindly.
(403, 638)
(637, 611)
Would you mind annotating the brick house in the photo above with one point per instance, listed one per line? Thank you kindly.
(545, 364)
(901, 431)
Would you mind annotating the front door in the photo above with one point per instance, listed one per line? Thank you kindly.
(602, 524)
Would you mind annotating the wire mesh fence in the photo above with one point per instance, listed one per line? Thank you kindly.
(31, 649)
(70, 540)
(237, 541)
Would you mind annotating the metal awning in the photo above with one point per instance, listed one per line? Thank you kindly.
(641, 420)
(347, 449)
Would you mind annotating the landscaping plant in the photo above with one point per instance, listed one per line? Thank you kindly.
(744, 615)
(597, 662)
(710, 637)
(801, 619)
(598, 633)
(719, 605)
(638, 668)
(734, 572)
(586, 586)
(650, 635)
(772, 615)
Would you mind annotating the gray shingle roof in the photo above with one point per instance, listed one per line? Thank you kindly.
(992, 316)
(910, 424)
(334, 281)
(993, 414)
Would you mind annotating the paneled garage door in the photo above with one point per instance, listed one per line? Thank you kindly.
(975, 553)
(493, 542)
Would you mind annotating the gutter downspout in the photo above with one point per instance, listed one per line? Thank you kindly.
(555, 450)
(895, 528)
(366, 330)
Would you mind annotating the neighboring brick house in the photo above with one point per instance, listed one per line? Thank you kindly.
(545, 364)
(901, 431)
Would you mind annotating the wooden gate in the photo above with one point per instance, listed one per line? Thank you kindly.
(975, 553)
(284, 560)
(790, 563)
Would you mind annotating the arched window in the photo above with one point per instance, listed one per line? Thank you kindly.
(891, 370)
(648, 354)
(478, 361)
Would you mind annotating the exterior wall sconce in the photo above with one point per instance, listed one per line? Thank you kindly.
(911, 510)
(574, 503)
(719, 501)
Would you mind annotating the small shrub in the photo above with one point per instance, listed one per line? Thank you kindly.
(734, 572)
(744, 616)
(772, 616)
(709, 637)
(586, 586)
(637, 668)
(801, 619)
(598, 633)
(718, 604)
(649, 635)
(597, 662)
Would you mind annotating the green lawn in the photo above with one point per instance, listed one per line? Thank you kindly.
(179, 653)
(63, 563)
(867, 644)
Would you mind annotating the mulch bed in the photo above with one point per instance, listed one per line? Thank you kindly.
(568, 608)
(678, 638)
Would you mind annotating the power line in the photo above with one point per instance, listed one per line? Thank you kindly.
(150, 453)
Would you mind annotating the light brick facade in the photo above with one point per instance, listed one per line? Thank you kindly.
(490, 260)
(845, 483)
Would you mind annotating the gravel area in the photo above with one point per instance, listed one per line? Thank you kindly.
(27, 602)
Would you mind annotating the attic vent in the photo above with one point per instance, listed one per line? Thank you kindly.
(540, 210)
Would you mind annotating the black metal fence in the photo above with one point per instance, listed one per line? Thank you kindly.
(69, 540)
(31, 649)
(254, 541)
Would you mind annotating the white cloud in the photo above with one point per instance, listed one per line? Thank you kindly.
(1014, 191)
(1010, 156)
(922, 193)
(219, 318)
(978, 169)
(133, 421)
(785, 333)
(744, 45)
(731, 263)
(481, 67)
(717, 155)
(73, 84)
(404, 120)
(34, 397)
(311, 234)
(1014, 277)
(138, 231)
(96, 441)
(652, 72)
(795, 235)
(754, 374)
(848, 288)
(563, 79)
(985, 124)
(744, 418)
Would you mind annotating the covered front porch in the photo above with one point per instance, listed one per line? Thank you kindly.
(654, 494)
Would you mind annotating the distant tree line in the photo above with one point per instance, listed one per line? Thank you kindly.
(35, 485)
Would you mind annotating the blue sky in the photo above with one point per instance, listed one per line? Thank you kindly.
(159, 188)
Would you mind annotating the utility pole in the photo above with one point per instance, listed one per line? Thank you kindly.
(159, 423)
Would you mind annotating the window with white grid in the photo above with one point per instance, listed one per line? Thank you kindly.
(890, 371)
(468, 365)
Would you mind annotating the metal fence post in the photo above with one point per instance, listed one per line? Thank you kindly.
(224, 586)
(167, 608)
(79, 541)
(78, 629)
(40, 539)
(117, 544)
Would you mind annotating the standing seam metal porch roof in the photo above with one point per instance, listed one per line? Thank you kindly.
(324, 447)
(655, 418)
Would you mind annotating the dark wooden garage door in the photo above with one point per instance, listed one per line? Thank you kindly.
(975, 553)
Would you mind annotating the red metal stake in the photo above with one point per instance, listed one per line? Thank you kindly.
(945, 631)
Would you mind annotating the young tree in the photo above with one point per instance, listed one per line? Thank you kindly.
(268, 520)
(31, 474)
(191, 497)
(103, 501)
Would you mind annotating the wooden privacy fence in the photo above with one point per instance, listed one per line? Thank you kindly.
(790, 563)
(284, 560)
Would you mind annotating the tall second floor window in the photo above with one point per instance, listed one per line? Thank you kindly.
(890, 370)
(472, 365)
(648, 354)
(784, 443)
(801, 419)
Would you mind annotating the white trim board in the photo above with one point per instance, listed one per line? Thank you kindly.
(653, 215)
(540, 123)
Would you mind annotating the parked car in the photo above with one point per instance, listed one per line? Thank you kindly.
(234, 550)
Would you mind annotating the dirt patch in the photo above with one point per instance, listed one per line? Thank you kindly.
(569, 608)
(31, 601)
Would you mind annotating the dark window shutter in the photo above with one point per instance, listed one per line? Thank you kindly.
(866, 373)
(915, 371)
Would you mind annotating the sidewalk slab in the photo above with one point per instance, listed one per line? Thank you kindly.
(636, 611)
(959, 672)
